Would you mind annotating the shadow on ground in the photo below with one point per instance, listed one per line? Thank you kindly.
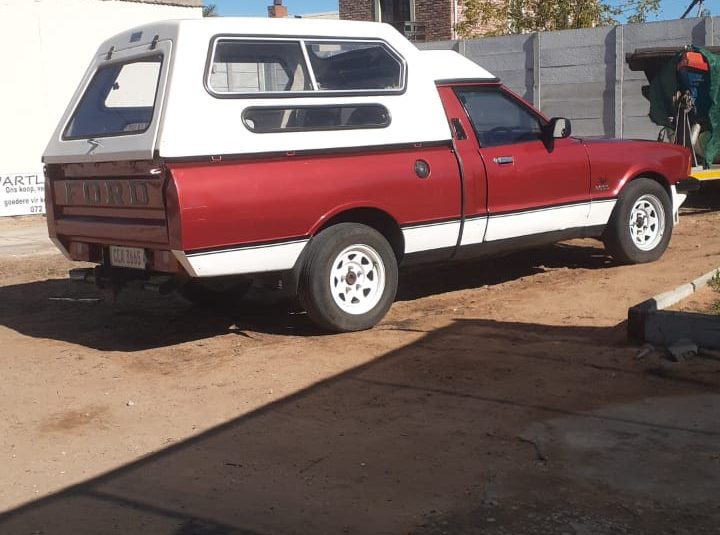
(425, 281)
(479, 427)
(77, 313)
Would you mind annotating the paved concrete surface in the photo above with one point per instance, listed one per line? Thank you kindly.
(24, 236)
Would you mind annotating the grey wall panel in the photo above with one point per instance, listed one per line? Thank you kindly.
(670, 32)
(574, 110)
(440, 45)
(581, 55)
(573, 74)
(573, 101)
(586, 127)
(640, 128)
(496, 45)
(506, 61)
(585, 37)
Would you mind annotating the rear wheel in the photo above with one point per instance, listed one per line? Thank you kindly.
(349, 279)
(641, 225)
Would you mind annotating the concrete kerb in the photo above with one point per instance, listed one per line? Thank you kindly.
(649, 322)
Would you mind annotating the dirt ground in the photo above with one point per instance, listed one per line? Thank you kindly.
(497, 397)
(705, 301)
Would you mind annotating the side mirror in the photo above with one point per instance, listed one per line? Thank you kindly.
(559, 128)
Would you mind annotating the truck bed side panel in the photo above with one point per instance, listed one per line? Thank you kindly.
(244, 202)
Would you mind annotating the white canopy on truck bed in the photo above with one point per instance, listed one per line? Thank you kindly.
(214, 94)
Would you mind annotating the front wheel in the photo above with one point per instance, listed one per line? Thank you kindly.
(641, 224)
(349, 278)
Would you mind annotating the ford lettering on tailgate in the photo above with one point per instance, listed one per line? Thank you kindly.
(109, 192)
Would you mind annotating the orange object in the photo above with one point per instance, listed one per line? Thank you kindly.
(694, 61)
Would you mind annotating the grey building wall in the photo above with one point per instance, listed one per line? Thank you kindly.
(581, 74)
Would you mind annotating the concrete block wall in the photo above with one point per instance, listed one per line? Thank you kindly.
(582, 74)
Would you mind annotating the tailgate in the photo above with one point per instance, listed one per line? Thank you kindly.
(108, 203)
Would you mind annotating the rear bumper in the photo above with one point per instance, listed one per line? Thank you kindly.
(118, 278)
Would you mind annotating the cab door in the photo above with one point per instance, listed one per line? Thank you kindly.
(535, 186)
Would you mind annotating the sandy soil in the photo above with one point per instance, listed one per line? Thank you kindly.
(704, 301)
(497, 397)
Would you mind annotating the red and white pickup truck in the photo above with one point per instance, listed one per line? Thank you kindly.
(327, 154)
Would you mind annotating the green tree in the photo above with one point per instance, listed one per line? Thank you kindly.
(504, 17)
(210, 10)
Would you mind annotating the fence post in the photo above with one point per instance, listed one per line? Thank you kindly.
(537, 100)
(619, 80)
(709, 31)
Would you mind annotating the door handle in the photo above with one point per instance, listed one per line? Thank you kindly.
(503, 160)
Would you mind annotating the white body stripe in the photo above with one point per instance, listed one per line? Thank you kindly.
(428, 237)
(277, 257)
(502, 227)
(600, 212)
(283, 256)
(474, 231)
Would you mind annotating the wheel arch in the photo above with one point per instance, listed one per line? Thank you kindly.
(656, 177)
(374, 218)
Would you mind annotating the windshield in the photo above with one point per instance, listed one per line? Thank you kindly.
(119, 100)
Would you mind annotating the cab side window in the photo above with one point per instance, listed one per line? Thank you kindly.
(497, 118)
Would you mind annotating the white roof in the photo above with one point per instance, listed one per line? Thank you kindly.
(449, 65)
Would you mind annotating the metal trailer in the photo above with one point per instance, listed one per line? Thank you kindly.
(651, 61)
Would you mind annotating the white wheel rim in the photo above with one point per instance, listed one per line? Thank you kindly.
(357, 279)
(647, 222)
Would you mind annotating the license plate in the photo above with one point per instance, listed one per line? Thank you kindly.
(128, 257)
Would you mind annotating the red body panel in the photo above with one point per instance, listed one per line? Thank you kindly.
(230, 203)
(614, 162)
(466, 145)
(537, 177)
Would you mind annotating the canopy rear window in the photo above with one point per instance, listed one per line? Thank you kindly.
(256, 67)
(120, 100)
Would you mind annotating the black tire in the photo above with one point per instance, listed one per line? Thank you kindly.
(653, 223)
(371, 263)
(209, 293)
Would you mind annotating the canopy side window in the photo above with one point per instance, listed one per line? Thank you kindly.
(355, 66)
(299, 67)
(258, 67)
(264, 120)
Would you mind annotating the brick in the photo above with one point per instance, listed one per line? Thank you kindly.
(436, 15)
